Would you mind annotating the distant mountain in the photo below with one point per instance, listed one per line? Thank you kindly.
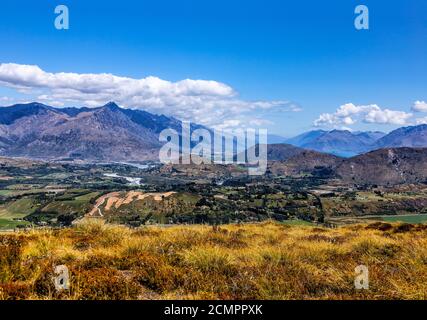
(105, 133)
(305, 138)
(274, 139)
(338, 142)
(72, 111)
(413, 136)
(8, 115)
(347, 144)
(386, 167)
(285, 159)
(281, 152)
(369, 136)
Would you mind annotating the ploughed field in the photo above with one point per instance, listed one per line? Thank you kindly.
(268, 260)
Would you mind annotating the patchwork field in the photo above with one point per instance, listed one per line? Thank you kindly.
(416, 218)
(267, 260)
(8, 224)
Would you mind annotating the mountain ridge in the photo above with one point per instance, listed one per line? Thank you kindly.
(111, 133)
(347, 144)
(105, 133)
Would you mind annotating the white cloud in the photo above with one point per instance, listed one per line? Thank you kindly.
(419, 106)
(349, 114)
(387, 116)
(259, 122)
(421, 120)
(228, 124)
(347, 121)
(6, 99)
(31, 76)
(202, 101)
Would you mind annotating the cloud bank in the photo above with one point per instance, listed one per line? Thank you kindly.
(349, 114)
(207, 102)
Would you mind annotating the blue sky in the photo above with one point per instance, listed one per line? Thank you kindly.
(286, 62)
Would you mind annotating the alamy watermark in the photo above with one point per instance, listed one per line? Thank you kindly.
(361, 281)
(62, 278)
(62, 20)
(202, 146)
(361, 22)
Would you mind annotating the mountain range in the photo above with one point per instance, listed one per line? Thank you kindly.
(345, 143)
(111, 133)
(106, 133)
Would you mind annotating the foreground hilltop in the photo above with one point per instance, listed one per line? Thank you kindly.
(252, 261)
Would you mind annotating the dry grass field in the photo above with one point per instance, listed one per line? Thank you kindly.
(250, 261)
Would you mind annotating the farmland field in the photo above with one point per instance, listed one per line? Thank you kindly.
(7, 224)
(416, 218)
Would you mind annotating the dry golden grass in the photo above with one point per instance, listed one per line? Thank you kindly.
(252, 261)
